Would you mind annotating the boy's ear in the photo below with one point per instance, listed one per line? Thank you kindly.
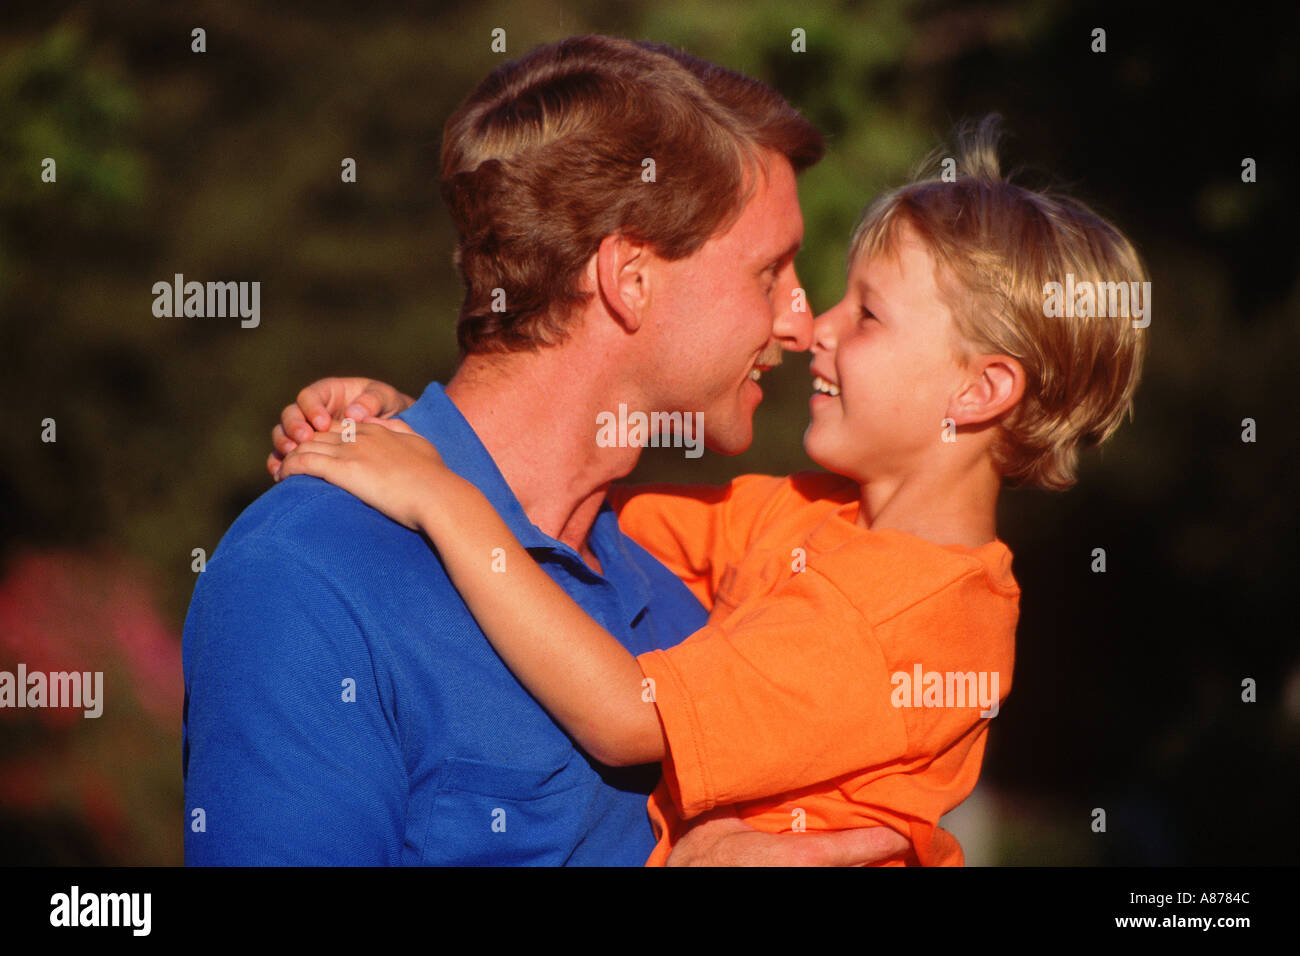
(993, 386)
(618, 272)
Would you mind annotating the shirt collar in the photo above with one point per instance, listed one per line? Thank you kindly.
(614, 551)
(436, 418)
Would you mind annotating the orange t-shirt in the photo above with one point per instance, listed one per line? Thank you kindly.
(841, 677)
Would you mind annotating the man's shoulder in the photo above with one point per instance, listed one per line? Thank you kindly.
(304, 523)
(310, 577)
(301, 509)
(307, 550)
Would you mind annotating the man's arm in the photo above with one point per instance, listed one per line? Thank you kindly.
(721, 838)
(290, 757)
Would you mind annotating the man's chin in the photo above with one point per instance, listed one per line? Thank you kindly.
(732, 441)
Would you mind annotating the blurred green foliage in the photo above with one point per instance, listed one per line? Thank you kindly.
(225, 165)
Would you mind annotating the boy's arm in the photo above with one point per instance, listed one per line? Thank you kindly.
(591, 684)
(577, 670)
(795, 691)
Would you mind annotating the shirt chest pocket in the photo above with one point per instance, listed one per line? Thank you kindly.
(487, 814)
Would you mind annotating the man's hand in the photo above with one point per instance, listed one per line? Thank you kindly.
(721, 838)
(327, 401)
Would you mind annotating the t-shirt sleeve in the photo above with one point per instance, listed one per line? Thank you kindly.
(288, 751)
(696, 531)
(793, 692)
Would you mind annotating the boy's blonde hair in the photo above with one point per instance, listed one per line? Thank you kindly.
(998, 246)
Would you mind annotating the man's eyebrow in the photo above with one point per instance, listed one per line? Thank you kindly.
(789, 252)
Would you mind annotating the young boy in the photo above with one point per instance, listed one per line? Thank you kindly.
(862, 622)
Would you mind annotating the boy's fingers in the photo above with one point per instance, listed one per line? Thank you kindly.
(318, 403)
(377, 400)
(281, 442)
(293, 423)
(391, 424)
(365, 405)
(366, 426)
(307, 463)
(324, 444)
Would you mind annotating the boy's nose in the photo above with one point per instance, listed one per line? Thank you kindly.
(823, 332)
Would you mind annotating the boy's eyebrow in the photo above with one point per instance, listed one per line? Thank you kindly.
(865, 289)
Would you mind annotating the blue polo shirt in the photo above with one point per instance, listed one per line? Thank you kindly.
(343, 707)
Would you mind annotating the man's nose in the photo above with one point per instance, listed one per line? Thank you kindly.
(793, 326)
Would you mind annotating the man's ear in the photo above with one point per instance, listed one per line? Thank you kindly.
(621, 278)
(992, 387)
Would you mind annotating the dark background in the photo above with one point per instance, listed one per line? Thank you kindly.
(225, 165)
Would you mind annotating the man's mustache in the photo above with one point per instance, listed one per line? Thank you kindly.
(771, 356)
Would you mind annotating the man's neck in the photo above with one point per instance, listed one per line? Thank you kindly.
(535, 412)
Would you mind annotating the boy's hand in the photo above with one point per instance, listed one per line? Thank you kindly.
(385, 464)
(721, 838)
(330, 400)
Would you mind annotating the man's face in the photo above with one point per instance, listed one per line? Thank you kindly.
(888, 350)
(723, 315)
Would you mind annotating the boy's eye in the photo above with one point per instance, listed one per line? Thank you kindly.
(865, 314)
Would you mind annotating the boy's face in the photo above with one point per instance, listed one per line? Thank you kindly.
(888, 346)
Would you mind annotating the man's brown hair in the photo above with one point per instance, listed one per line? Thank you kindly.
(547, 156)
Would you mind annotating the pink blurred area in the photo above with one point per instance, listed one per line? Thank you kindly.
(98, 790)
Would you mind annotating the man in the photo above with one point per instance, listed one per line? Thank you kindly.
(627, 221)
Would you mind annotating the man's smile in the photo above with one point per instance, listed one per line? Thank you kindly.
(769, 358)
